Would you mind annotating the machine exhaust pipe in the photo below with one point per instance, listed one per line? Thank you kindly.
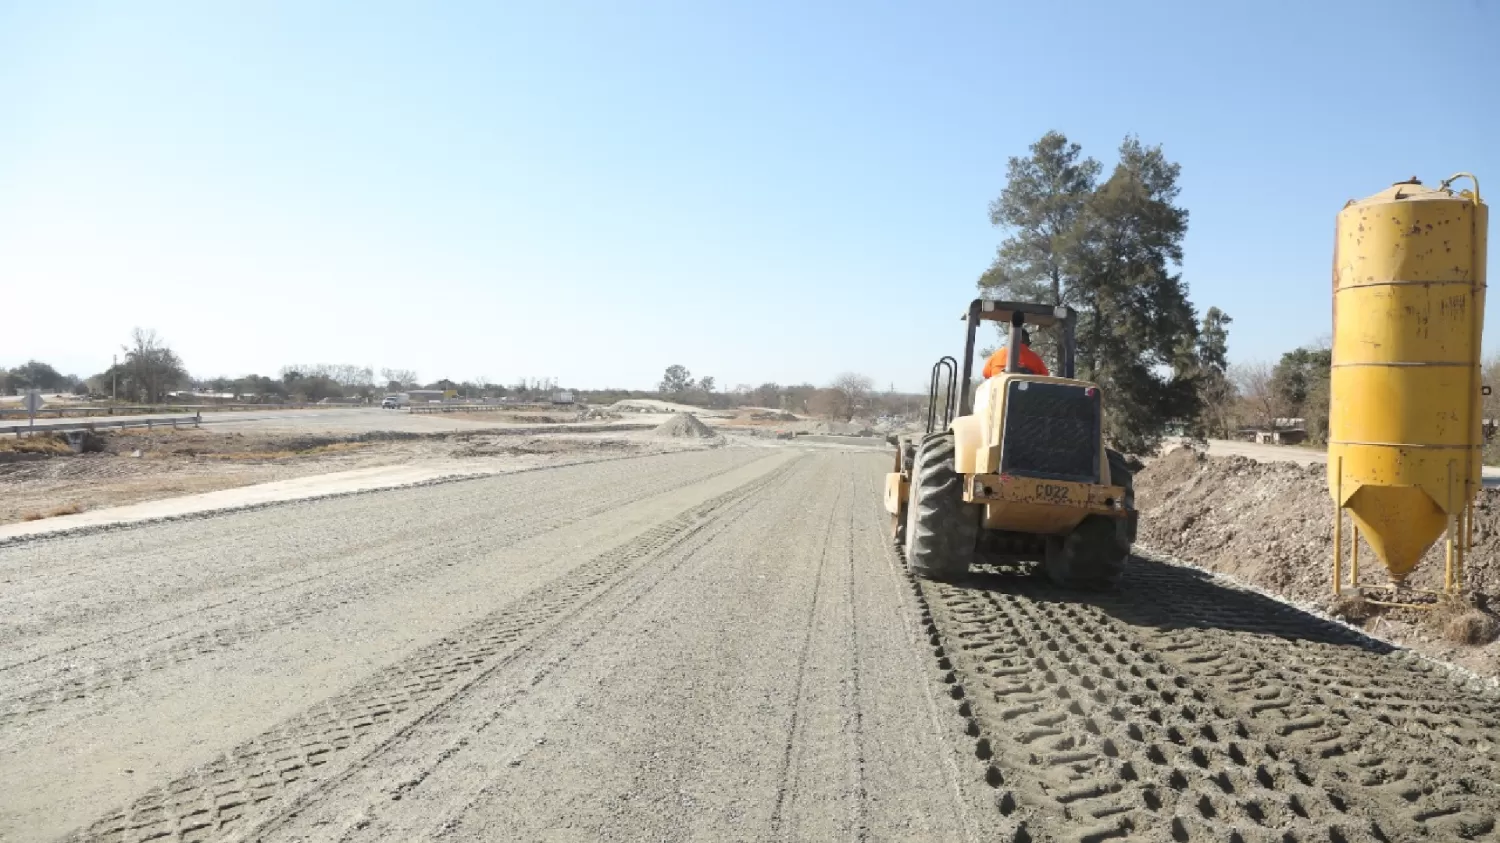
(1013, 353)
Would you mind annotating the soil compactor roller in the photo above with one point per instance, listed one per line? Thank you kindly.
(1020, 474)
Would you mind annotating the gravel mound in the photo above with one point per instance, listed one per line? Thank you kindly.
(838, 428)
(684, 426)
(650, 405)
(1271, 525)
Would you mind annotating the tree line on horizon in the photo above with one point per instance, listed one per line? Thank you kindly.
(1109, 247)
(149, 371)
(848, 396)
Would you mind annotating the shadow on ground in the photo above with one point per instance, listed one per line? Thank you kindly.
(1172, 597)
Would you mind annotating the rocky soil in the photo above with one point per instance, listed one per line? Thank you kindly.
(1270, 525)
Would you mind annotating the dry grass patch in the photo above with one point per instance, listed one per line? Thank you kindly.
(44, 444)
(1472, 628)
(283, 454)
(61, 509)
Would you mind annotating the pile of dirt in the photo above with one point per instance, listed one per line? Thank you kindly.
(651, 405)
(506, 446)
(684, 426)
(772, 416)
(838, 428)
(1270, 525)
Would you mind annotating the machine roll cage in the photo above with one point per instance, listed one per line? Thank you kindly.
(989, 310)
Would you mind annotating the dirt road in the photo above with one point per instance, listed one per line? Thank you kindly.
(708, 645)
(713, 643)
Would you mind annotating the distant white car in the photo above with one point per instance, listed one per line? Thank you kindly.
(394, 402)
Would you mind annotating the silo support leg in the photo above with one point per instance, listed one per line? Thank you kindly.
(1468, 537)
(1453, 580)
(1448, 540)
(1354, 557)
(1338, 525)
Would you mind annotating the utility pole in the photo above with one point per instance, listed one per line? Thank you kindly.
(114, 378)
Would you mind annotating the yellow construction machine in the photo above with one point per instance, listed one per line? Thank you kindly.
(1020, 474)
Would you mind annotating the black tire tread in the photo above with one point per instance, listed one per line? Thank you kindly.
(1093, 556)
(942, 530)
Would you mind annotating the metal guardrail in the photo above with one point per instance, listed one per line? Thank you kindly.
(458, 408)
(63, 411)
(481, 408)
(60, 426)
(137, 410)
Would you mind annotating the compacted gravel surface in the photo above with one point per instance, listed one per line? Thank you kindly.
(706, 645)
(711, 643)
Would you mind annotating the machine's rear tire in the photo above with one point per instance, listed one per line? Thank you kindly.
(1091, 558)
(941, 529)
(1121, 474)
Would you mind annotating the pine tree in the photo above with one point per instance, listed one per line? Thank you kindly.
(1216, 393)
(1137, 327)
(1044, 195)
(1110, 251)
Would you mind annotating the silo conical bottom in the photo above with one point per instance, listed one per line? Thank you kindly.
(1399, 522)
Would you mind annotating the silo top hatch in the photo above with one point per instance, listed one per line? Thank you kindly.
(1408, 233)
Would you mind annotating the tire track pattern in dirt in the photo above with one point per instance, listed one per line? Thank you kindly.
(543, 654)
(1109, 738)
(1379, 721)
(390, 570)
(823, 734)
(1182, 710)
(250, 782)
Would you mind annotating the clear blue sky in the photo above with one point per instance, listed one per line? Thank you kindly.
(759, 191)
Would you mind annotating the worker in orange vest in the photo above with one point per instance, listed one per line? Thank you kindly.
(1031, 362)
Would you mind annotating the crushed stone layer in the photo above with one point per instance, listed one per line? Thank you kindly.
(684, 425)
(701, 645)
(708, 645)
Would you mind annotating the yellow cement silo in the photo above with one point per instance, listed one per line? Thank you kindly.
(1404, 421)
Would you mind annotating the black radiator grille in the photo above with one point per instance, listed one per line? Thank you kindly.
(1051, 431)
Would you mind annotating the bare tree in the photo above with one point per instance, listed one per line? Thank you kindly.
(1255, 383)
(852, 388)
(767, 395)
(151, 368)
(399, 379)
(825, 402)
(676, 380)
(346, 375)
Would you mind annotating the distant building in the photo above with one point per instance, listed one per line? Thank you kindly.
(188, 397)
(1279, 436)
